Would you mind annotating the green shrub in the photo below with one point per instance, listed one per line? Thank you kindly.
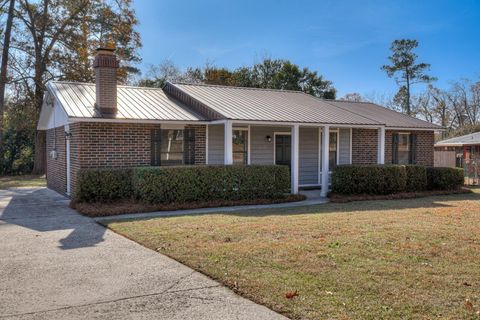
(207, 183)
(439, 178)
(103, 185)
(416, 178)
(369, 179)
(183, 184)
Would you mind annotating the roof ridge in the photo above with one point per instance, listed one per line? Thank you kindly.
(351, 111)
(118, 86)
(234, 87)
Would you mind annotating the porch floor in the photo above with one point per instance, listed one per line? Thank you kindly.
(312, 194)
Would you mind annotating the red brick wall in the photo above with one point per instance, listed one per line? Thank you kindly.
(364, 146)
(200, 143)
(57, 168)
(114, 145)
(424, 152)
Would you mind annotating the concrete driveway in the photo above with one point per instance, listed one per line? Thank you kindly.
(57, 264)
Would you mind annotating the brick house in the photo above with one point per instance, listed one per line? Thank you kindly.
(104, 125)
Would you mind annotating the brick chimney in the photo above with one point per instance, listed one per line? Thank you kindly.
(106, 65)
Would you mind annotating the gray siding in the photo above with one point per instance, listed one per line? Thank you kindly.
(262, 150)
(215, 144)
(308, 154)
(344, 146)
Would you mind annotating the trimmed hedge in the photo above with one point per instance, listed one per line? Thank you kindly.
(206, 183)
(391, 179)
(369, 179)
(163, 185)
(416, 178)
(440, 178)
(94, 185)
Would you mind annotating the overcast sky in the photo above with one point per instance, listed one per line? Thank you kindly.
(346, 41)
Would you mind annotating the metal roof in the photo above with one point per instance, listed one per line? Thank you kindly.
(473, 138)
(238, 103)
(136, 103)
(389, 117)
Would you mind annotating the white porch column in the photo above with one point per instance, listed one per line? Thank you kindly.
(325, 160)
(381, 146)
(295, 158)
(228, 148)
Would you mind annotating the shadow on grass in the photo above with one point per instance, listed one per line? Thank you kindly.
(431, 202)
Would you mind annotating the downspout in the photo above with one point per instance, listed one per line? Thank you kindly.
(67, 157)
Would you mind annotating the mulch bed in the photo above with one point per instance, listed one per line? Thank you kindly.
(340, 198)
(131, 206)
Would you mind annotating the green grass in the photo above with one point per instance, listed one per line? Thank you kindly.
(22, 181)
(397, 259)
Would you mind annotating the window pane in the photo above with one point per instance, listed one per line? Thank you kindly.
(239, 158)
(171, 147)
(171, 159)
(403, 148)
(332, 155)
(240, 146)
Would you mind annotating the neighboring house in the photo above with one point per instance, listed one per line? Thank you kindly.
(462, 152)
(104, 125)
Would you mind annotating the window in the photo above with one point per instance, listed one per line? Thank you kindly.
(240, 146)
(171, 147)
(404, 145)
(403, 148)
(332, 148)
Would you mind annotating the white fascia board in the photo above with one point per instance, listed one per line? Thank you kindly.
(306, 124)
(146, 121)
(413, 129)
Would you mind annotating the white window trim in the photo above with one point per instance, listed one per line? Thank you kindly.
(247, 128)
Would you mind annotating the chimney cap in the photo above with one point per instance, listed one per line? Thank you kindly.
(105, 50)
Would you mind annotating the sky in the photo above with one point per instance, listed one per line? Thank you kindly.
(345, 41)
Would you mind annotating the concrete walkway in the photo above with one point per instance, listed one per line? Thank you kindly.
(313, 198)
(57, 264)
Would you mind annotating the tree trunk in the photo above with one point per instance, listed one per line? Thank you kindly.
(39, 165)
(409, 110)
(3, 70)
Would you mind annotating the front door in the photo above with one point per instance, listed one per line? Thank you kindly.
(283, 152)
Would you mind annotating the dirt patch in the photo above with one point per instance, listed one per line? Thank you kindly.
(341, 198)
(130, 206)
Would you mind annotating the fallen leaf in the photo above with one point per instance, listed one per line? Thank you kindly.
(291, 294)
(468, 305)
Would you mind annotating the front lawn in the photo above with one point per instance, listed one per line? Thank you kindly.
(22, 181)
(409, 259)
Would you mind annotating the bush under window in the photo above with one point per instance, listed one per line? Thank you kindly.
(162, 185)
(391, 179)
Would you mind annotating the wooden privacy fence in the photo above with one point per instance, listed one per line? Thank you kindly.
(444, 159)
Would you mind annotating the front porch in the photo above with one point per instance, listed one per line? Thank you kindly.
(311, 150)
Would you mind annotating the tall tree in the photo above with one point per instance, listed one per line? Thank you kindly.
(58, 36)
(405, 69)
(4, 68)
(354, 96)
(269, 74)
